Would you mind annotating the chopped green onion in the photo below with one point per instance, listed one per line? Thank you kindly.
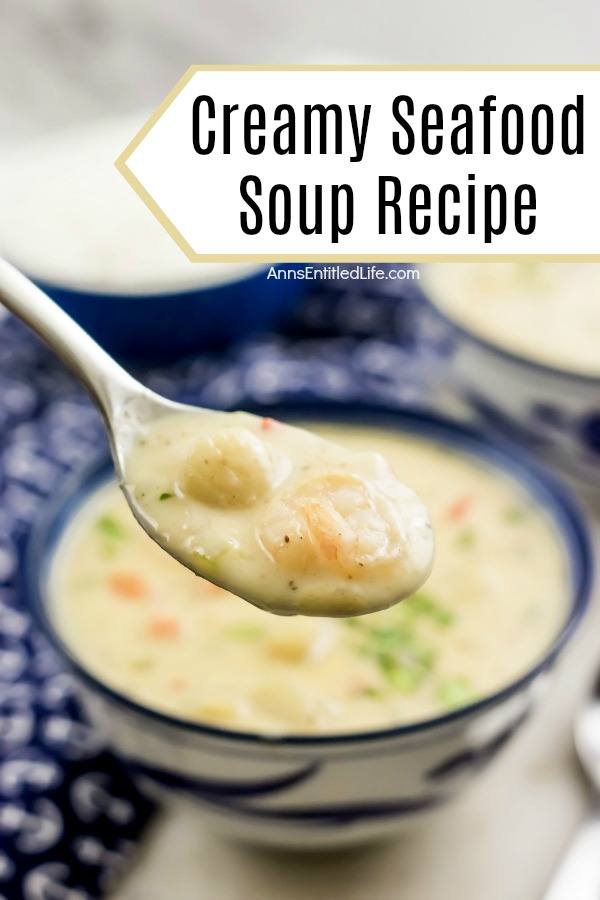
(210, 563)
(110, 527)
(444, 617)
(465, 539)
(245, 631)
(455, 691)
(515, 514)
(142, 663)
(402, 658)
(371, 692)
(406, 681)
(423, 604)
(166, 496)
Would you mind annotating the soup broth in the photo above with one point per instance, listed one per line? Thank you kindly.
(547, 312)
(496, 597)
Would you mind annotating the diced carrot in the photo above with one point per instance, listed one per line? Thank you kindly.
(128, 585)
(163, 627)
(267, 423)
(207, 588)
(459, 509)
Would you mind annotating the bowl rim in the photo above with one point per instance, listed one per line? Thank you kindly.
(557, 501)
(244, 273)
(427, 297)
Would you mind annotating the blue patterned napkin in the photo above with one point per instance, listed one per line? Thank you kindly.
(70, 816)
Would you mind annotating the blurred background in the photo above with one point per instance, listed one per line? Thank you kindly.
(69, 65)
(70, 60)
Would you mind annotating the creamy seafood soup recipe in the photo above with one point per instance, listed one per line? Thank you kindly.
(496, 597)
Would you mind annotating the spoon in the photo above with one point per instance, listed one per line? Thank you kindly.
(223, 455)
(578, 875)
(124, 403)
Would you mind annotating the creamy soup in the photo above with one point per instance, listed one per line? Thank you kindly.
(496, 598)
(548, 312)
(279, 515)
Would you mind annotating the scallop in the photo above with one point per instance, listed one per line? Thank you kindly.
(230, 468)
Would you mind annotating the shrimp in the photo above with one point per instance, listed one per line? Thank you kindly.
(336, 522)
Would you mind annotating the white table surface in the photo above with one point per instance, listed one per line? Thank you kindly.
(66, 60)
(72, 60)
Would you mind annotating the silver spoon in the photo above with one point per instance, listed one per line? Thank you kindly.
(125, 404)
(578, 875)
(129, 409)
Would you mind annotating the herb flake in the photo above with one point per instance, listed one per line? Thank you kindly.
(110, 527)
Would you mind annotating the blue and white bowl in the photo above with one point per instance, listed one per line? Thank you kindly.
(316, 792)
(550, 411)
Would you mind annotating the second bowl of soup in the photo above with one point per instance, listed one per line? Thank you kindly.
(524, 346)
(318, 732)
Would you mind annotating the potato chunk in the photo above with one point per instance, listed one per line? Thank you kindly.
(230, 468)
(299, 640)
(219, 711)
(286, 701)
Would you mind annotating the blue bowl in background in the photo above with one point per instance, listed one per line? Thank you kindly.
(158, 327)
(554, 413)
(320, 791)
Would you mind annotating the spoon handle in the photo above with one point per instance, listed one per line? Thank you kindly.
(106, 381)
(578, 875)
